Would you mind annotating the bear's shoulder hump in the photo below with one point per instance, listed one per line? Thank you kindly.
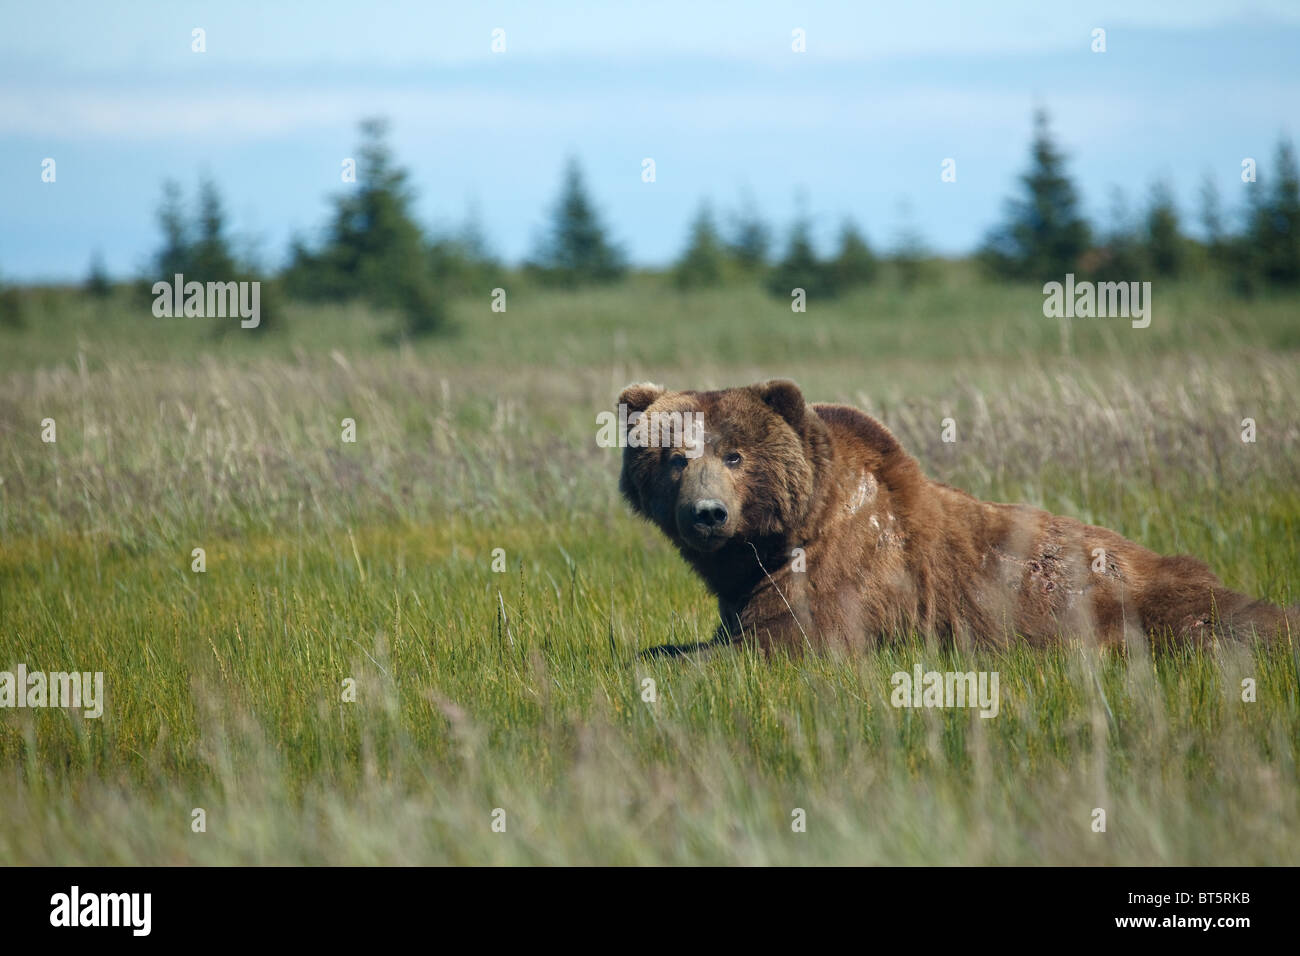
(852, 421)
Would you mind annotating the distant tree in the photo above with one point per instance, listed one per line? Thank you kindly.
(854, 263)
(199, 249)
(174, 255)
(575, 249)
(373, 249)
(462, 263)
(704, 261)
(1163, 239)
(1244, 252)
(1044, 233)
(1211, 215)
(909, 255)
(474, 240)
(98, 284)
(1120, 255)
(13, 307)
(1274, 230)
(749, 239)
(211, 259)
(800, 268)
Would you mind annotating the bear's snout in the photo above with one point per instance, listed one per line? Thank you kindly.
(702, 523)
(709, 513)
(705, 520)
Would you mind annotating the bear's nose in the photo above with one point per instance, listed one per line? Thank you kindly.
(710, 512)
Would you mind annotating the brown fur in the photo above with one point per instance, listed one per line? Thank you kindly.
(888, 550)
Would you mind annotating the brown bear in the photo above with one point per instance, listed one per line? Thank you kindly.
(816, 530)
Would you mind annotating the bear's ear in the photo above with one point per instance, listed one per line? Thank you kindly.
(639, 397)
(783, 397)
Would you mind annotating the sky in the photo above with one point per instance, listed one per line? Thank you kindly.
(857, 125)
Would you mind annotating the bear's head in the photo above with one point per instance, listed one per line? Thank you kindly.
(711, 468)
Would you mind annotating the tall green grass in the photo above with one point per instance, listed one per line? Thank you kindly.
(521, 689)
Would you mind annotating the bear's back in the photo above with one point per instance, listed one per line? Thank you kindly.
(852, 423)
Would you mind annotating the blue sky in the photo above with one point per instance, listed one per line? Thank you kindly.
(856, 126)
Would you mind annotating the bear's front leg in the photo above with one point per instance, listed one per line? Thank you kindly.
(727, 634)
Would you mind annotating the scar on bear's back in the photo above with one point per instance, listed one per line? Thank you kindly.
(865, 492)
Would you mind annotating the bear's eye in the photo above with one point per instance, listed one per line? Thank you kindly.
(731, 459)
(678, 460)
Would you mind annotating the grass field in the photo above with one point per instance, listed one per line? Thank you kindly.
(521, 690)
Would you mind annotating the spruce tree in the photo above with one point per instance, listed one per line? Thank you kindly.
(13, 307)
(211, 257)
(1211, 215)
(462, 262)
(1164, 241)
(1044, 233)
(909, 254)
(703, 262)
(800, 268)
(575, 249)
(854, 263)
(174, 255)
(750, 239)
(1121, 257)
(1275, 219)
(374, 249)
(98, 284)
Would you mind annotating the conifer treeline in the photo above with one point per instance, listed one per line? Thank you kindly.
(373, 249)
